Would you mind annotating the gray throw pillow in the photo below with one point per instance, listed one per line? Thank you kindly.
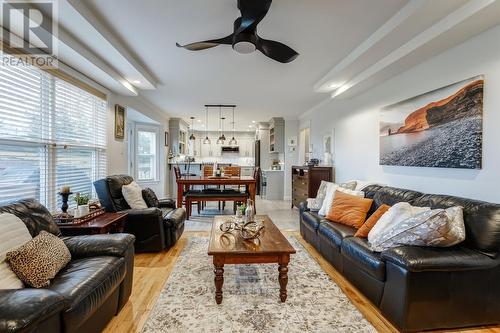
(436, 228)
(314, 204)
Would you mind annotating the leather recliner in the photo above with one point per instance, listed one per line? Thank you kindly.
(84, 295)
(420, 288)
(155, 228)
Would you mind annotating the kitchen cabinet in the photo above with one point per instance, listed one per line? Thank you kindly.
(178, 136)
(246, 147)
(277, 135)
(216, 149)
(210, 150)
(195, 147)
(274, 180)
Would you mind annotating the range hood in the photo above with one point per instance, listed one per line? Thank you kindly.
(230, 149)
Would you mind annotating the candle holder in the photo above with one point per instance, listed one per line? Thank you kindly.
(64, 217)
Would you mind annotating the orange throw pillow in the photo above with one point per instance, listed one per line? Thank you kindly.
(372, 220)
(349, 209)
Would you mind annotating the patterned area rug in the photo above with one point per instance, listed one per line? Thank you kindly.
(251, 298)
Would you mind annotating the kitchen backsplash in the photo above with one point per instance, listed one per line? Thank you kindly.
(228, 158)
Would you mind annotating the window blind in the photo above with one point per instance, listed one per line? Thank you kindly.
(52, 133)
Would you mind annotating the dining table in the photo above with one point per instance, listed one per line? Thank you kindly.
(187, 181)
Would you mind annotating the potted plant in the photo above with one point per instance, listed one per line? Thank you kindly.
(82, 203)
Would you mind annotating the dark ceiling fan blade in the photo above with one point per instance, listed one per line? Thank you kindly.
(276, 50)
(252, 12)
(207, 43)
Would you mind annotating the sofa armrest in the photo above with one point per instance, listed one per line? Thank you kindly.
(99, 245)
(450, 259)
(22, 309)
(303, 207)
(143, 215)
(167, 203)
(173, 217)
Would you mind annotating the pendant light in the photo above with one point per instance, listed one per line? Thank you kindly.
(221, 138)
(206, 141)
(233, 141)
(192, 137)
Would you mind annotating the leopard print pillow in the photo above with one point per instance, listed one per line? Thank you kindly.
(39, 260)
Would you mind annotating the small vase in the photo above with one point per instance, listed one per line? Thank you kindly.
(83, 210)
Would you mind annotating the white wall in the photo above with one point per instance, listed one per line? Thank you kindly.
(117, 149)
(356, 123)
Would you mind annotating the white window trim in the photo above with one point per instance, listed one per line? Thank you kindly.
(153, 129)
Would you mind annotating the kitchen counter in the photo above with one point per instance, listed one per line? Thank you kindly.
(269, 170)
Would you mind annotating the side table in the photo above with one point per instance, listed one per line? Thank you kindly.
(103, 224)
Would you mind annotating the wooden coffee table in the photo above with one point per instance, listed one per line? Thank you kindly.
(271, 247)
(103, 224)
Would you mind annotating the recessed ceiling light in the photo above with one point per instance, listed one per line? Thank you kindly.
(253, 121)
(199, 120)
(136, 81)
(250, 126)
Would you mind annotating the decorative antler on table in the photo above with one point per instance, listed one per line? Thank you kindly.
(247, 231)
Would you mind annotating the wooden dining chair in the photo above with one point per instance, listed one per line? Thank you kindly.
(208, 171)
(186, 190)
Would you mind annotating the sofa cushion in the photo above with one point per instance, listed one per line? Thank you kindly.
(482, 220)
(359, 253)
(404, 224)
(34, 215)
(349, 209)
(311, 220)
(39, 260)
(133, 195)
(150, 198)
(13, 233)
(335, 232)
(365, 229)
(391, 196)
(115, 184)
(86, 284)
(419, 259)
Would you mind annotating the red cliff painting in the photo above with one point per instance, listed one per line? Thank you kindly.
(441, 128)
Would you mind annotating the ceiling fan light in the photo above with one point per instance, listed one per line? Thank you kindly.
(244, 47)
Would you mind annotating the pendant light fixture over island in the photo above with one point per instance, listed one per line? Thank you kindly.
(206, 141)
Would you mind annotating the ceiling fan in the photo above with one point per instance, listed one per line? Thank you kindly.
(244, 38)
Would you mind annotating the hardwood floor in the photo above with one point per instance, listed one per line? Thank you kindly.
(153, 269)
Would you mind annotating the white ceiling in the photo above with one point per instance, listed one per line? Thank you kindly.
(345, 47)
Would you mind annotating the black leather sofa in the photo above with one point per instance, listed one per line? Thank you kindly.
(420, 288)
(84, 295)
(155, 228)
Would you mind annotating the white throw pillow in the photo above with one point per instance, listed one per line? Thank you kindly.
(395, 215)
(13, 234)
(133, 196)
(330, 195)
(424, 227)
